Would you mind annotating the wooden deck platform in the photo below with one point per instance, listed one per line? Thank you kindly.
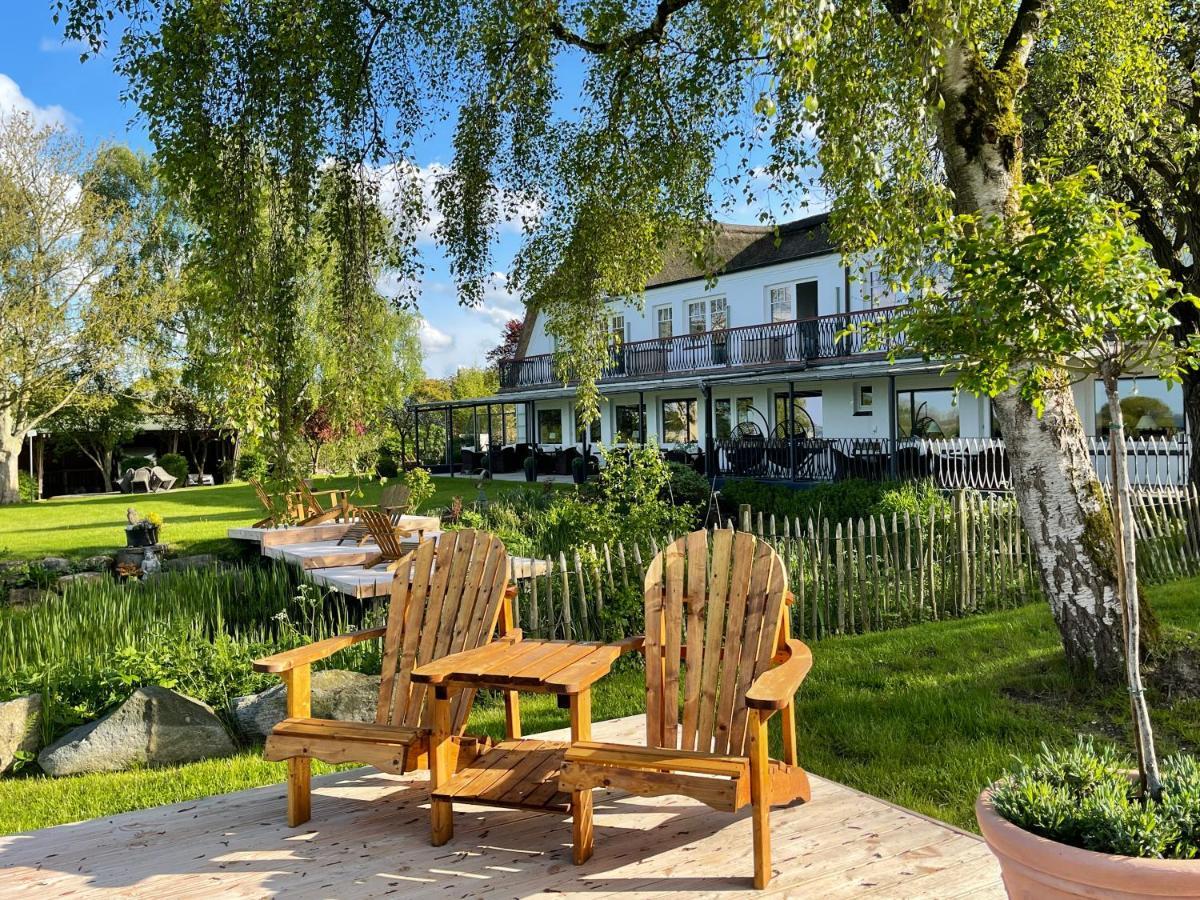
(369, 837)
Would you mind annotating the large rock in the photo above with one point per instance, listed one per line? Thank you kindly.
(336, 694)
(56, 564)
(198, 561)
(154, 727)
(96, 564)
(79, 578)
(27, 596)
(20, 728)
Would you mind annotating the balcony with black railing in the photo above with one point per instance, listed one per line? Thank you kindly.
(802, 342)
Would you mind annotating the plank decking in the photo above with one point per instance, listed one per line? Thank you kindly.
(370, 837)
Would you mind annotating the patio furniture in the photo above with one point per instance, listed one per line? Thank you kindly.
(393, 503)
(446, 597)
(518, 774)
(387, 537)
(139, 479)
(267, 503)
(311, 511)
(743, 667)
(161, 479)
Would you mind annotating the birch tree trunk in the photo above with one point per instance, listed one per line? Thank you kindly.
(11, 440)
(1061, 503)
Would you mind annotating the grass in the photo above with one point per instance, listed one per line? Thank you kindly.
(923, 716)
(196, 518)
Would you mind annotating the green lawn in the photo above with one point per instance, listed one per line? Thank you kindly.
(923, 716)
(195, 518)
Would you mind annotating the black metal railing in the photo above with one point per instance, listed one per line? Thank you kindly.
(799, 342)
(980, 463)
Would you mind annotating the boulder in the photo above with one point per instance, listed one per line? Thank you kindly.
(198, 561)
(25, 596)
(20, 728)
(336, 694)
(154, 727)
(65, 581)
(96, 564)
(56, 564)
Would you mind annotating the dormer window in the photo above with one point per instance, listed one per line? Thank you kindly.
(780, 299)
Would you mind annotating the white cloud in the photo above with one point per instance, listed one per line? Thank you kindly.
(12, 99)
(63, 45)
(433, 340)
(500, 304)
(405, 187)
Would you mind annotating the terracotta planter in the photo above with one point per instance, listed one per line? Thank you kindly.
(1035, 868)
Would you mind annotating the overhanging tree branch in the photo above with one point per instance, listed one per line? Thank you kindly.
(1019, 41)
(650, 34)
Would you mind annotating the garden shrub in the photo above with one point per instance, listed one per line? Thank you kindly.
(252, 464)
(1082, 796)
(136, 462)
(840, 500)
(176, 464)
(420, 487)
(26, 487)
(388, 457)
(687, 487)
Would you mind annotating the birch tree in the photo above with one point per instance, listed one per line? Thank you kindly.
(614, 130)
(72, 293)
(1063, 283)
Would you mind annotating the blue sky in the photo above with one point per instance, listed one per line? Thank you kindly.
(41, 74)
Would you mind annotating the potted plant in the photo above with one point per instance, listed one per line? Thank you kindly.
(529, 464)
(579, 470)
(1074, 823)
(142, 531)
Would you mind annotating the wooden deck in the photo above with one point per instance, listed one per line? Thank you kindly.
(369, 837)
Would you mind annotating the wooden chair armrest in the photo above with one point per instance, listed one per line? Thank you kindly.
(309, 653)
(635, 644)
(774, 688)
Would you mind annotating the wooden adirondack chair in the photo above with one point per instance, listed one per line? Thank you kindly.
(721, 604)
(446, 597)
(313, 513)
(393, 503)
(386, 535)
(268, 504)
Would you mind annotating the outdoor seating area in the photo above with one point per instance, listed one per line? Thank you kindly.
(370, 836)
(146, 480)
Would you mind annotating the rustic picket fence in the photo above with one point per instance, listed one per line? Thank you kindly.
(864, 574)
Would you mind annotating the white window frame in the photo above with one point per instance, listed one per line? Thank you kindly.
(618, 332)
(692, 321)
(790, 293)
(659, 319)
(712, 307)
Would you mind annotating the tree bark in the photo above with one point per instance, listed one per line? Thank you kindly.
(12, 437)
(1061, 503)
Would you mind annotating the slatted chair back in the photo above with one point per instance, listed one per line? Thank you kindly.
(263, 497)
(446, 598)
(309, 502)
(386, 536)
(723, 598)
(395, 499)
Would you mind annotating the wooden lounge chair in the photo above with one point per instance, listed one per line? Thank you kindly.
(387, 537)
(722, 605)
(311, 512)
(394, 502)
(268, 504)
(445, 598)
